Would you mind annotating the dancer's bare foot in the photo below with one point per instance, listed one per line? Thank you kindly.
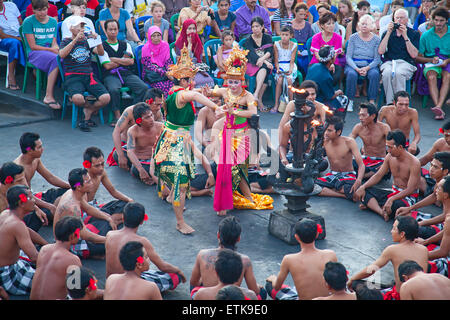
(222, 213)
(362, 207)
(184, 228)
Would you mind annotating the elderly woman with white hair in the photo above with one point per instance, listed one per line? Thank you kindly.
(363, 59)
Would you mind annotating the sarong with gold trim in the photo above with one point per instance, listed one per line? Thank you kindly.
(174, 160)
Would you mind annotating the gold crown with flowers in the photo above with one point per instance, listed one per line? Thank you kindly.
(236, 64)
(184, 67)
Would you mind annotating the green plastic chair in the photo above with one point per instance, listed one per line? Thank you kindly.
(173, 23)
(173, 54)
(299, 74)
(41, 79)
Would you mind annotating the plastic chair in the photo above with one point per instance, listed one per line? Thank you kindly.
(138, 21)
(173, 53)
(6, 54)
(299, 74)
(58, 33)
(381, 98)
(66, 96)
(138, 57)
(173, 23)
(39, 74)
(60, 11)
(210, 48)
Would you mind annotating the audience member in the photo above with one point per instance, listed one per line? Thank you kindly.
(362, 8)
(314, 12)
(363, 60)
(344, 15)
(399, 47)
(157, 9)
(283, 16)
(434, 51)
(40, 46)
(203, 16)
(302, 32)
(91, 8)
(384, 21)
(244, 17)
(78, 8)
(10, 41)
(224, 17)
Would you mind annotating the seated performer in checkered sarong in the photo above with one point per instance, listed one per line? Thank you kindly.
(405, 169)
(16, 241)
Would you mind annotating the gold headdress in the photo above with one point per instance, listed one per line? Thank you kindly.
(236, 64)
(184, 67)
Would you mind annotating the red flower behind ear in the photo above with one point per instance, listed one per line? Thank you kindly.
(145, 217)
(140, 260)
(23, 197)
(92, 284)
(138, 120)
(77, 233)
(441, 131)
(87, 164)
(319, 228)
(149, 101)
(9, 180)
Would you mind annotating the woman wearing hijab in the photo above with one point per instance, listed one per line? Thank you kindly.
(189, 37)
(156, 61)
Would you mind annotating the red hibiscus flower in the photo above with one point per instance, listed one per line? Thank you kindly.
(23, 197)
(87, 164)
(319, 228)
(140, 260)
(138, 120)
(9, 180)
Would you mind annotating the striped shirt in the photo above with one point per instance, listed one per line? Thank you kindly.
(285, 20)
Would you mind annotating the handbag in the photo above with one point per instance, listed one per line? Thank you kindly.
(152, 77)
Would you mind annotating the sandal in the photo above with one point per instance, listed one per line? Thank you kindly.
(273, 111)
(91, 123)
(84, 126)
(53, 105)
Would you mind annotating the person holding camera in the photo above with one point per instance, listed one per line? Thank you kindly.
(203, 16)
(399, 46)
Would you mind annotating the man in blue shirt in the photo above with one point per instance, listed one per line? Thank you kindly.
(245, 14)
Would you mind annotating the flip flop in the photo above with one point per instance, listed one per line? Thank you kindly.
(439, 113)
(49, 104)
(273, 111)
(83, 125)
(91, 123)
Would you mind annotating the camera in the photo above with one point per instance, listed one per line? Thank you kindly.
(396, 26)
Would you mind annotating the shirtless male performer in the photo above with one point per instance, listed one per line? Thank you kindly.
(342, 181)
(94, 163)
(129, 285)
(404, 231)
(401, 116)
(49, 281)
(167, 277)
(373, 135)
(418, 285)
(405, 169)
(141, 140)
(203, 273)
(335, 276)
(16, 274)
(306, 267)
(440, 145)
(73, 203)
(125, 121)
(32, 149)
(228, 268)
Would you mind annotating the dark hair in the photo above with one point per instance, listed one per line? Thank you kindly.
(398, 136)
(407, 268)
(228, 266)
(133, 214)
(227, 32)
(76, 176)
(446, 125)
(299, 6)
(28, 140)
(401, 93)
(409, 226)
(129, 253)
(92, 152)
(397, 3)
(446, 186)
(140, 109)
(78, 292)
(155, 93)
(324, 52)
(335, 275)
(39, 4)
(336, 122)
(306, 230)
(364, 293)
(287, 28)
(107, 22)
(371, 110)
(219, 1)
(13, 195)
(229, 232)
(259, 20)
(9, 169)
(65, 227)
(230, 292)
(361, 4)
(327, 17)
(309, 84)
(284, 10)
(444, 158)
(441, 12)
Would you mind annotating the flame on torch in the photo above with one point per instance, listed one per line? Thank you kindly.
(295, 90)
(315, 123)
(327, 110)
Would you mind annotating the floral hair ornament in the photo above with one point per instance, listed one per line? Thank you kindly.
(87, 164)
(319, 228)
(77, 233)
(77, 184)
(441, 131)
(92, 284)
(28, 148)
(23, 197)
(140, 260)
(9, 180)
(149, 101)
(145, 217)
(138, 120)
